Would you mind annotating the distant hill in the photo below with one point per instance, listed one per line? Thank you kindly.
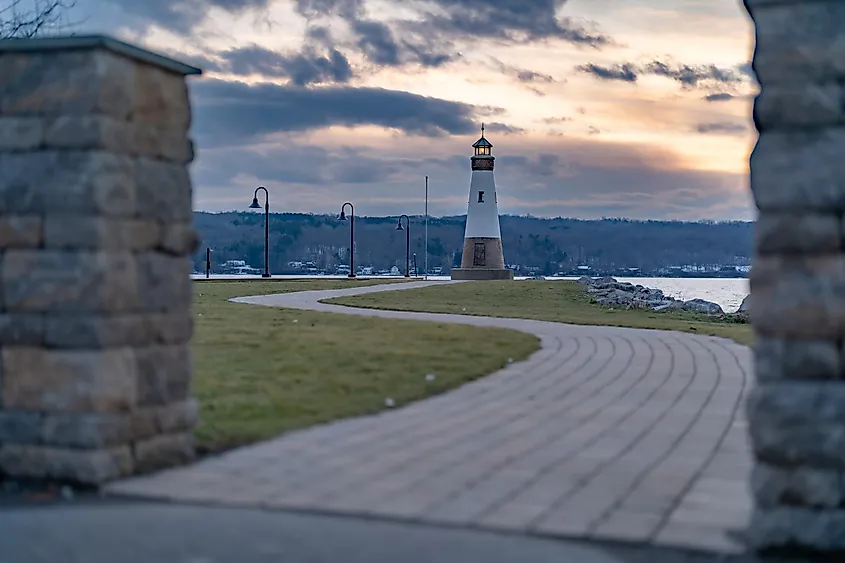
(547, 245)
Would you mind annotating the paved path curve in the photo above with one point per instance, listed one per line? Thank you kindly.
(608, 433)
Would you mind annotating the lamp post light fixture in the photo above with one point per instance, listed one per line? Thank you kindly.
(351, 235)
(255, 205)
(407, 230)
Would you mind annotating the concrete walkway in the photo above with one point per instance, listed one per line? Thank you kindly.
(605, 433)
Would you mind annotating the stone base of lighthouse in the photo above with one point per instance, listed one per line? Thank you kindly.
(482, 259)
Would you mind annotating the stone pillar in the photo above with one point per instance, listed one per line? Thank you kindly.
(96, 226)
(796, 411)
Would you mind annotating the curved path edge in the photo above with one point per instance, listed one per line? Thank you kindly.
(606, 433)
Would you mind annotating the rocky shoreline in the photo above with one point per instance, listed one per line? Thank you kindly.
(612, 293)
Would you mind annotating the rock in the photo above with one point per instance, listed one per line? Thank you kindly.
(670, 306)
(702, 306)
(610, 292)
(776, 359)
(615, 298)
(89, 467)
(163, 374)
(799, 486)
(77, 380)
(166, 450)
(20, 231)
(794, 526)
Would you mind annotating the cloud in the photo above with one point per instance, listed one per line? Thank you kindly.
(694, 75)
(182, 15)
(376, 40)
(231, 113)
(578, 177)
(722, 127)
(514, 21)
(378, 43)
(689, 76)
(306, 67)
(430, 40)
(623, 72)
(719, 97)
(522, 74)
(503, 128)
(555, 120)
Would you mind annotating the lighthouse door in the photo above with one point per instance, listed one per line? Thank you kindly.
(479, 255)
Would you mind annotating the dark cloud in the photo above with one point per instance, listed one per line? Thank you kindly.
(503, 128)
(719, 97)
(529, 78)
(306, 67)
(182, 15)
(379, 44)
(430, 40)
(694, 75)
(747, 69)
(231, 113)
(522, 74)
(542, 165)
(515, 21)
(721, 127)
(689, 76)
(296, 164)
(570, 177)
(374, 39)
(622, 72)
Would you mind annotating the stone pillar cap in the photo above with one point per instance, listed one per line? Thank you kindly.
(80, 42)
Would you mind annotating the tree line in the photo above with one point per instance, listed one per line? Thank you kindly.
(549, 245)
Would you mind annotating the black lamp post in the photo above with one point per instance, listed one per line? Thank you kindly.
(207, 262)
(255, 205)
(407, 230)
(351, 235)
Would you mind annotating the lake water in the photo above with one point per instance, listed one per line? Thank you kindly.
(727, 292)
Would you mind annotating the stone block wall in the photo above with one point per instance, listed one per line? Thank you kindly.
(96, 226)
(797, 409)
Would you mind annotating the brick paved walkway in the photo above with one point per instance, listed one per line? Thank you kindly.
(607, 433)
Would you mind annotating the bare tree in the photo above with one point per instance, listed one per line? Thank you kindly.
(31, 18)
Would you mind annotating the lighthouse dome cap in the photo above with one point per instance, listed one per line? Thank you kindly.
(482, 142)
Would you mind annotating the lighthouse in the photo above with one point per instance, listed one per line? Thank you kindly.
(482, 257)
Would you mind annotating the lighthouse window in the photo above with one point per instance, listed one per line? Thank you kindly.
(480, 197)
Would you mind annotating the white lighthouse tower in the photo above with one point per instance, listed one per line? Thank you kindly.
(482, 258)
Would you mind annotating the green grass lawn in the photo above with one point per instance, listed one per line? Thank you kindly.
(260, 371)
(557, 301)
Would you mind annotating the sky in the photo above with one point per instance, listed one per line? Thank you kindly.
(595, 108)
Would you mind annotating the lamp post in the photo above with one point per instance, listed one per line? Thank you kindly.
(351, 235)
(207, 262)
(426, 228)
(407, 230)
(255, 205)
